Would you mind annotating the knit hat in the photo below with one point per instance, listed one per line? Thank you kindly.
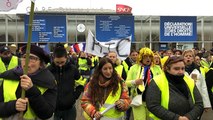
(38, 52)
(4, 48)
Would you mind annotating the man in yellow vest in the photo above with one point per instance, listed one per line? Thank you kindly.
(130, 60)
(206, 60)
(173, 95)
(112, 55)
(7, 60)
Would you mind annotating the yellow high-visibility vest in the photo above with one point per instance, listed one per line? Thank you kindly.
(9, 92)
(163, 85)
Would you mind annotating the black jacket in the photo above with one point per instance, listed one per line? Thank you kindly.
(65, 77)
(209, 84)
(179, 104)
(42, 104)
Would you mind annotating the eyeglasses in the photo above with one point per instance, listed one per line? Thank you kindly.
(32, 59)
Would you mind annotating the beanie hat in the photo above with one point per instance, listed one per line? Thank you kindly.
(38, 52)
(4, 48)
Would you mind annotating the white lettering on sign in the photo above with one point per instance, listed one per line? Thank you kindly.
(124, 10)
(178, 29)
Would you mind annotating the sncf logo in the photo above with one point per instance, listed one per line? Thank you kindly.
(123, 9)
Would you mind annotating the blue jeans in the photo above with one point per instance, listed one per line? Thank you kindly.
(66, 115)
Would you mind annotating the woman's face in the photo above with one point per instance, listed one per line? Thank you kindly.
(188, 58)
(34, 63)
(177, 53)
(156, 60)
(107, 70)
(177, 68)
(197, 60)
(134, 56)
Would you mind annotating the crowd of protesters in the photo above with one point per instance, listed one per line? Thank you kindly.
(147, 85)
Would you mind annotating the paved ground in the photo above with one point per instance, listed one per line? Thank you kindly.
(207, 115)
(79, 110)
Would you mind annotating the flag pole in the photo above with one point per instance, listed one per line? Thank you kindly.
(30, 24)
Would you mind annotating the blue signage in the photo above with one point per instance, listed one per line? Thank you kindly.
(47, 28)
(112, 27)
(178, 28)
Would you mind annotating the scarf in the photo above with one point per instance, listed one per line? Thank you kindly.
(178, 82)
(103, 81)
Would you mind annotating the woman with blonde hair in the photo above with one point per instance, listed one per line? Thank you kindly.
(157, 59)
(197, 73)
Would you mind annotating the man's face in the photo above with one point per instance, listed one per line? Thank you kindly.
(134, 56)
(112, 57)
(60, 61)
(6, 54)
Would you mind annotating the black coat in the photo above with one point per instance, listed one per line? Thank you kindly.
(65, 77)
(209, 84)
(42, 104)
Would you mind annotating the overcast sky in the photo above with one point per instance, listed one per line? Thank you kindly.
(139, 7)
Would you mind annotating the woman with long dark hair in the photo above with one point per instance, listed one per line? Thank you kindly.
(105, 88)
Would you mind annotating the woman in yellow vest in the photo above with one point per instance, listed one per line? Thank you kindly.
(197, 73)
(105, 89)
(39, 84)
(174, 95)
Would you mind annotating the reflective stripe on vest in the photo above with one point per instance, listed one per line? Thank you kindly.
(9, 92)
(112, 113)
(119, 69)
(162, 83)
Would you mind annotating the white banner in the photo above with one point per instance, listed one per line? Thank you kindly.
(7, 5)
(120, 46)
